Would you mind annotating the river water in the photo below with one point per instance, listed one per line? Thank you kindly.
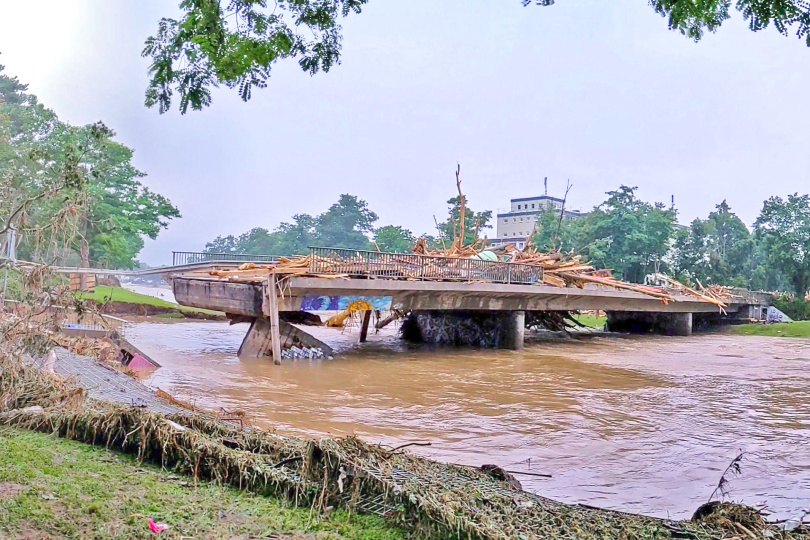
(642, 424)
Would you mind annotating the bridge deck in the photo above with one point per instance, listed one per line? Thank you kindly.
(247, 298)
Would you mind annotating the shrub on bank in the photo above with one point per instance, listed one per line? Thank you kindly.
(794, 307)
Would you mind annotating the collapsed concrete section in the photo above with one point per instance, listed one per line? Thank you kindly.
(294, 342)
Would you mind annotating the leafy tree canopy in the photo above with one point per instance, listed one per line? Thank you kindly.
(73, 187)
(394, 239)
(346, 224)
(716, 250)
(694, 18)
(627, 234)
(783, 228)
(236, 43)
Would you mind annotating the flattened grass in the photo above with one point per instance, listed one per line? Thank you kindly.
(799, 329)
(55, 488)
(103, 293)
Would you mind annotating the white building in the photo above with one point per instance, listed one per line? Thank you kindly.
(516, 225)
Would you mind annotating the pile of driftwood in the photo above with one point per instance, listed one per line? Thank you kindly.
(554, 269)
(473, 262)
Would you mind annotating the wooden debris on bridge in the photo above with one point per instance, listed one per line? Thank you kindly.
(556, 269)
(474, 262)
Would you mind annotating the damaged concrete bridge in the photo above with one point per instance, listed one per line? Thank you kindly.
(270, 301)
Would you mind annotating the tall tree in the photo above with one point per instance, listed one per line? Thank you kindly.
(628, 235)
(78, 177)
(394, 239)
(346, 224)
(121, 210)
(296, 237)
(783, 227)
(552, 233)
(717, 250)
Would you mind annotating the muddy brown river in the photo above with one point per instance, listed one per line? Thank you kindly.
(642, 424)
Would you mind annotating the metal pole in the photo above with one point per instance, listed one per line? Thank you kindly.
(11, 254)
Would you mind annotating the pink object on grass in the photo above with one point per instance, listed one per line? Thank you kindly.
(156, 528)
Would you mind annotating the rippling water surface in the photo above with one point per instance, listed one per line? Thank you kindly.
(641, 424)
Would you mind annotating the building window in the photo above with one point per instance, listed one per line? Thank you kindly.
(514, 220)
(521, 220)
(518, 207)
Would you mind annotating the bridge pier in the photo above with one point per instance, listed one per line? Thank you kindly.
(640, 322)
(494, 329)
(515, 330)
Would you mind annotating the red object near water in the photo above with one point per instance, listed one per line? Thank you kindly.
(138, 363)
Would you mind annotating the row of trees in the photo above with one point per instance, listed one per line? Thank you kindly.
(70, 193)
(632, 237)
(349, 223)
(636, 238)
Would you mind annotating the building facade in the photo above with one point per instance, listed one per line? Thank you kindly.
(516, 225)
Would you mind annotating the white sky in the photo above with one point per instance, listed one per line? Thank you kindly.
(598, 92)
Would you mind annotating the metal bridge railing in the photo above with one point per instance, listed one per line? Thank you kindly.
(420, 267)
(180, 258)
(66, 317)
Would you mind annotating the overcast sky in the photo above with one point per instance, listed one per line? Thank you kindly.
(597, 92)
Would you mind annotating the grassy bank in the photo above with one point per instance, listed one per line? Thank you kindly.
(54, 488)
(103, 294)
(591, 320)
(794, 329)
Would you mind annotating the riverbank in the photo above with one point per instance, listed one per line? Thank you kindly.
(55, 488)
(800, 329)
(122, 302)
(429, 498)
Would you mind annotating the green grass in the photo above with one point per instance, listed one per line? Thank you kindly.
(794, 329)
(591, 320)
(117, 294)
(54, 488)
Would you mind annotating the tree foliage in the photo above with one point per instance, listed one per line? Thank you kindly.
(695, 17)
(475, 223)
(716, 250)
(236, 43)
(346, 224)
(71, 188)
(626, 234)
(783, 229)
(394, 239)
